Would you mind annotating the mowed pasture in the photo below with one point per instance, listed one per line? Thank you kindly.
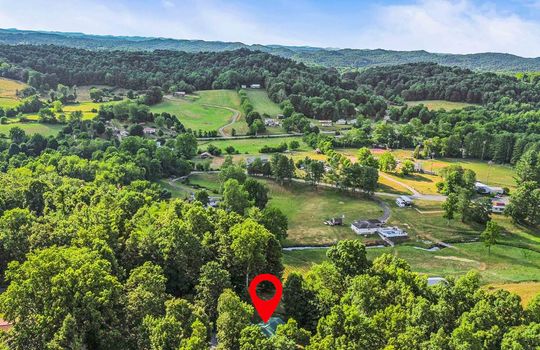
(440, 104)
(206, 110)
(33, 128)
(253, 145)
(8, 91)
(262, 103)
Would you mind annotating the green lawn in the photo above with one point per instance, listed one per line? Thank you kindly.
(252, 146)
(224, 98)
(33, 128)
(262, 103)
(440, 104)
(207, 181)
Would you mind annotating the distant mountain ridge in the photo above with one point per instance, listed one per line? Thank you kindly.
(354, 58)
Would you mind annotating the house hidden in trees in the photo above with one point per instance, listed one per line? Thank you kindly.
(485, 189)
(205, 155)
(149, 131)
(269, 328)
(255, 86)
(179, 94)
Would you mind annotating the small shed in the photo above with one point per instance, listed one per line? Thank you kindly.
(179, 94)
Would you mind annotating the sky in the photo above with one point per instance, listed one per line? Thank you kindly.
(446, 26)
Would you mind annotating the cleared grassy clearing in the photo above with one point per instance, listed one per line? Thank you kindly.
(193, 115)
(307, 209)
(440, 104)
(262, 103)
(8, 92)
(252, 146)
(33, 128)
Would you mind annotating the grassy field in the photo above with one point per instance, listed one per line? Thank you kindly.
(307, 209)
(262, 103)
(500, 175)
(252, 146)
(504, 265)
(440, 104)
(526, 290)
(33, 128)
(8, 90)
(195, 115)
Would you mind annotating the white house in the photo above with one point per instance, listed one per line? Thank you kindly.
(341, 122)
(404, 201)
(485, 189)
(366, 227)
(179, 94)
(255, 86)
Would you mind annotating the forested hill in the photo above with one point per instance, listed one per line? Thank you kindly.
(356, 58)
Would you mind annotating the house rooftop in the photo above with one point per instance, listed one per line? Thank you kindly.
(373, 223)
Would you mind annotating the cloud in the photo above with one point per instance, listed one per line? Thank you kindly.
(451, 26)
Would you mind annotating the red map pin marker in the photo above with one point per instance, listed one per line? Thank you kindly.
(265, 308)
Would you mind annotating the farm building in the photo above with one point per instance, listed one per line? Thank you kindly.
(404, 201)
(485, 189)
(341, 122)
(255, 86)
(366, 227)
(179, 94)
(243, 86)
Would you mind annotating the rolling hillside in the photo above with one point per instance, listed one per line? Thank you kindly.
(355, 58)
